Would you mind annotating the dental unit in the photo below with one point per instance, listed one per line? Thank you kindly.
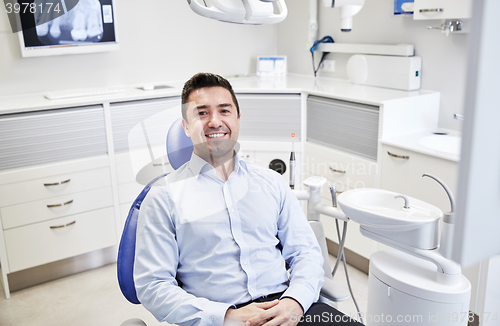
(418, 279)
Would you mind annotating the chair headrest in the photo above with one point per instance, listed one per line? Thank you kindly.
(179, 146)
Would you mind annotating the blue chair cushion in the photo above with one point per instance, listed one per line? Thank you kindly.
(126, 250)
(179, 146)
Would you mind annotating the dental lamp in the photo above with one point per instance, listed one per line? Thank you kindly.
(252, 12)
(348, 8)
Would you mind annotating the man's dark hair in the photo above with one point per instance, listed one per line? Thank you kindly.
(201, 80)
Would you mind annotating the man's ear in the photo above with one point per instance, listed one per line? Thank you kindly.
(186, 128)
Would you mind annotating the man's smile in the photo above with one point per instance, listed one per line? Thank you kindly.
(216, 135)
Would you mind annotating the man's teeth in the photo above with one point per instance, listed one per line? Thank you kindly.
(216, 135)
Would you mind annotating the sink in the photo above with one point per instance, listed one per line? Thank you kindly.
(378, 212)
(444, 143)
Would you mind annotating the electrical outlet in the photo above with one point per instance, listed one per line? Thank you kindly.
(328, 65)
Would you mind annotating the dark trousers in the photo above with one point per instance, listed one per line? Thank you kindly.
(319, 313)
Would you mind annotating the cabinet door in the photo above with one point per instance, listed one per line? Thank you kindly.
(269, 117)
(404, 175)
(142, 124)
(442, 9)
(33, 138)
(347, 126)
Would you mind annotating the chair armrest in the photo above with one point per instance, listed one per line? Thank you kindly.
(333, 291)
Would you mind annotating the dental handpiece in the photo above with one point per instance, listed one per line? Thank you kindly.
(292, 170)
(333, 192)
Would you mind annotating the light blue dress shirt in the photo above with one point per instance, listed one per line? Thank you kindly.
(219, 241)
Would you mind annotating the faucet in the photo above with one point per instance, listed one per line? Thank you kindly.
(407, 202)
(458, 116)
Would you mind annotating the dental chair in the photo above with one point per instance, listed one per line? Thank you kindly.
(179, 150)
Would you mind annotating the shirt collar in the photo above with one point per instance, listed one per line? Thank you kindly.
(197, 165)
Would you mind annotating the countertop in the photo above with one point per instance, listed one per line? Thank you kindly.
(321, 86)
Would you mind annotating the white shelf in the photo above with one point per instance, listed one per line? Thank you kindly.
(403, 50)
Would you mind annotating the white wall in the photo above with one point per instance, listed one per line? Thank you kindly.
(160, 40)
(443, 58)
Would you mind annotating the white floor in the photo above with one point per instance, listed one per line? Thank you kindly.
(93, 298)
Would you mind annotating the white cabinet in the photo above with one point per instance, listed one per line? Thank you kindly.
(55, 211)
(442, 9)
(56, 197)
(342, 147)
(402, 170)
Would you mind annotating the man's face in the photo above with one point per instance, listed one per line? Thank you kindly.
(213, 123)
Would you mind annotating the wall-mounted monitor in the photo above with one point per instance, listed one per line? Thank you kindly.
(79, 26)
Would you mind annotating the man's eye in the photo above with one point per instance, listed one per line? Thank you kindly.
(202, 113)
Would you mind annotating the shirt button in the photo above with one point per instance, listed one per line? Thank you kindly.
(245, 262)
(232, 210)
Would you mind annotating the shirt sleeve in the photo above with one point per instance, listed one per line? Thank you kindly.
(156, 260)
(301, 251)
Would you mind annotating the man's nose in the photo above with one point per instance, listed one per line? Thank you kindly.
(215, 121)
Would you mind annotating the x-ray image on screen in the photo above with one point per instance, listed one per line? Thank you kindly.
(55, 27)
(83, 23)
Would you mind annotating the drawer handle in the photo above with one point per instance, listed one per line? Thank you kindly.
(337, 171)
(161, 164)
(56, 183)
(59, 205)
(404, 157)
(62, 226)
(432, 10)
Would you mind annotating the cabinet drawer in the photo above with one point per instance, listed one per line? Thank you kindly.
(56, 185)
(38, 244)
(342, 170)
(46, 209)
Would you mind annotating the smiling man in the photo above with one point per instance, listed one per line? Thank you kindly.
(214, 243)
(214, 123)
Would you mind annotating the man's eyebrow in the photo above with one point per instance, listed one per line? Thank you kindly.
(200, 107)
(204, 106)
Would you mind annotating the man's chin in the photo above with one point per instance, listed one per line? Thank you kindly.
(223, 148)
